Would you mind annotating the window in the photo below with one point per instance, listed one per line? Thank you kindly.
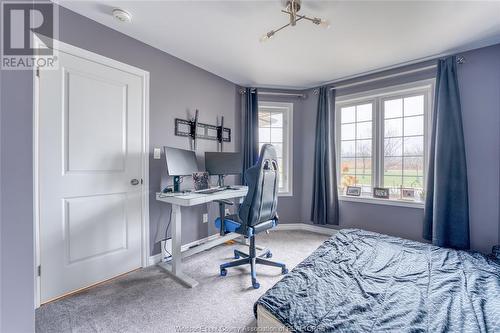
(356, 146)
(275, 127)
(382, 140)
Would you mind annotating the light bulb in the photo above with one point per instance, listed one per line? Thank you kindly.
(324, 24)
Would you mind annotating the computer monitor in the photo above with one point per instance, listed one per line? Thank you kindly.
(221, 164)
(180, 162)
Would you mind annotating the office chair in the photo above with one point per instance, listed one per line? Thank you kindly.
(257, 213)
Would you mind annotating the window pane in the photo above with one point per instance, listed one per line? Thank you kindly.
(393, 147)
(276, 135)
(414, 146)
(347, 148)
(279, 149)
(393, 108)
(393, 166)
(364, 181)
(414, 125)
(348, 180)
(394, 192)
(348, 132)
(364, 130)
(363, 166)
(276, 119)
(281, 169)
(414, 105)
(393, 181)
(364, 112)
(347, 115)
(413, 166)
(413, 182)
(347, 165)
(393, 127)
(264, 119)
(264, 135)
(274, 128)
(364, 148)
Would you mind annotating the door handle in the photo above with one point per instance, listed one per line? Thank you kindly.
(134, 182)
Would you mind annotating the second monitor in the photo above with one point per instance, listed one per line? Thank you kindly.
(221, 164)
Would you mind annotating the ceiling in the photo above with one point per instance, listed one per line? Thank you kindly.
(222, 37)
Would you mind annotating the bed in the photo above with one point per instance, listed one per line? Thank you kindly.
(360, 281)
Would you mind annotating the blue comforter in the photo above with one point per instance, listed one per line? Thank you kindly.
(360, 281)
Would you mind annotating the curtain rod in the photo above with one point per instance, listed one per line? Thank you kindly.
(274, 93)
(460, 60)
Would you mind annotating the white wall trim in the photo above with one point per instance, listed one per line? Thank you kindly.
(155, 259)
(144, 75)
(386, 202)
(308, 227)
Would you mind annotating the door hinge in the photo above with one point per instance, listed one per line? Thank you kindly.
(39, 270)
(142, 182)
(38, 72)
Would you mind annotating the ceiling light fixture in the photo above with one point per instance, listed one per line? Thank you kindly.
(122, 15)
(291, 8)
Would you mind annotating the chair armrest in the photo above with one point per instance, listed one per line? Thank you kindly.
(225, 202)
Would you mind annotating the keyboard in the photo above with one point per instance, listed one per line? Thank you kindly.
(211, 190)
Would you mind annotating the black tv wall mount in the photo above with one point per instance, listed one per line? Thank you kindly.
(195, 130)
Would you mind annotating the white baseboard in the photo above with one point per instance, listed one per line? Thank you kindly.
(307, 227)
(153, 260)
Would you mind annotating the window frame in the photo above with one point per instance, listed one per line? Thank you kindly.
(377, 97)
(286, 108)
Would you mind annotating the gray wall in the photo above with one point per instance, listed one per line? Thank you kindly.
(479, 81)
(16, 220)
(177, 89)
(480, 92)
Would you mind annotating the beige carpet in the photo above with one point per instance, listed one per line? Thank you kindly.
(149, 301)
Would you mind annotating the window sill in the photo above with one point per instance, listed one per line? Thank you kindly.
(387, 202)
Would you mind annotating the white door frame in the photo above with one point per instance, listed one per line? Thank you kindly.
(76, 51)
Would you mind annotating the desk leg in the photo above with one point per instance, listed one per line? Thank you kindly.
(175, 267)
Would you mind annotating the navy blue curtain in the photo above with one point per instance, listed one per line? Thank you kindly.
(250, 130)
(325, 204)
(446, 218)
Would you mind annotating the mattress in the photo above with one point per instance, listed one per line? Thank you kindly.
(360, 281)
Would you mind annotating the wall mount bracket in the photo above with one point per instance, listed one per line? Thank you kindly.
(196, 130)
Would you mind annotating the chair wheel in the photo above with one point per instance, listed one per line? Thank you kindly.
(269, 255)
(284, 271)
(223, 272)
(256, 285)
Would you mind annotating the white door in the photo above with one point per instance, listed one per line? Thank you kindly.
(90, 150)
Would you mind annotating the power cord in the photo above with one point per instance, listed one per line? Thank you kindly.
(166, 233)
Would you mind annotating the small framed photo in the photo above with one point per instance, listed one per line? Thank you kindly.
(353, 191)
(408, 193)
(380, 192)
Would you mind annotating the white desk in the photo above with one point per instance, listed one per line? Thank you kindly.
(174, 267)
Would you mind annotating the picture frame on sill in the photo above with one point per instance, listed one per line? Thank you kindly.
(381, 193)
(354, 191)
(408, 193)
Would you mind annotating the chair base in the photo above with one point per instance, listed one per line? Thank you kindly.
(247, 259)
